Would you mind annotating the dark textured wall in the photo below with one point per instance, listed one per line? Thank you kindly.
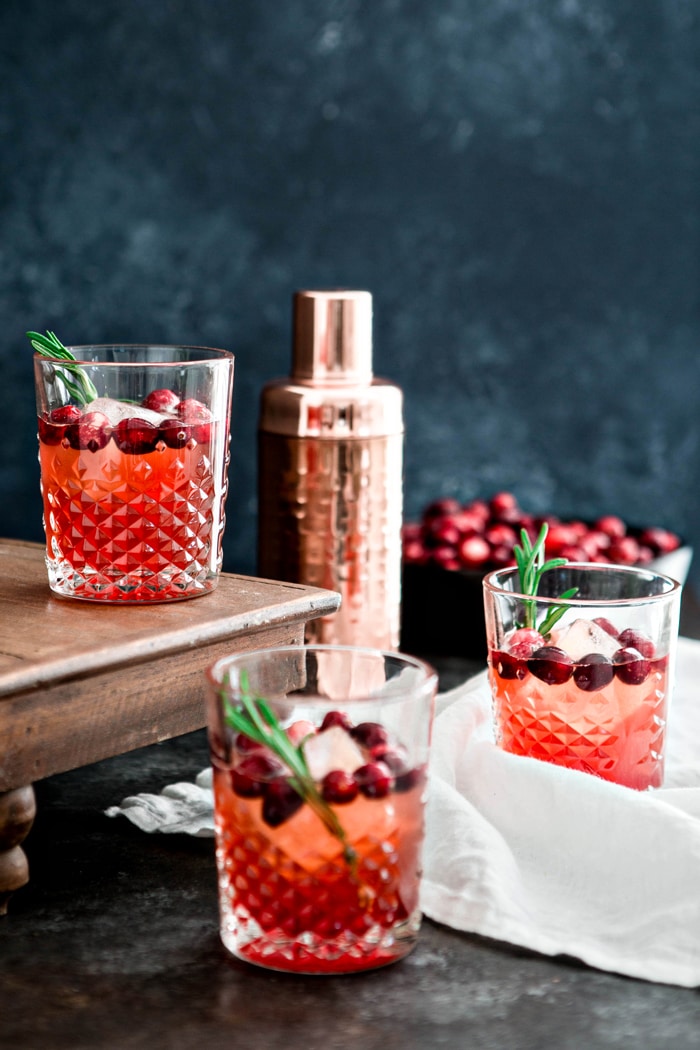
(516, 181)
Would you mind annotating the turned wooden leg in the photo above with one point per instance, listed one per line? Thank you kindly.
(17, 810)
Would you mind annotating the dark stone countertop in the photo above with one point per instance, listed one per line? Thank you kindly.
(114, 945)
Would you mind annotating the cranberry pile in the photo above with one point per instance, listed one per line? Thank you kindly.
(480, 536)
(369, 763)
(167, 419)
(629, 656)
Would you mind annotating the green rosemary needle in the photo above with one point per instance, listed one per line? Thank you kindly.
(531, 564)
(81, 387)
(256, 720)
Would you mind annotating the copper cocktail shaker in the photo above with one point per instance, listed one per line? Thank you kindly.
(330, 472)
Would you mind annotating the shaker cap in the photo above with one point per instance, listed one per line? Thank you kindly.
(332, 336)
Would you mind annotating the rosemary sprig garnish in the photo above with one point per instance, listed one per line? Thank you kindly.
(81, 388)
(257, 721)
(531, 565)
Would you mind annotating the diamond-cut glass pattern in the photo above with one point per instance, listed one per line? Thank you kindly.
(126, 527)
(616, 733)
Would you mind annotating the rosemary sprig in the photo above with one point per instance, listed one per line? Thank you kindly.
(258, 721)
(81, 388)
(531, 565)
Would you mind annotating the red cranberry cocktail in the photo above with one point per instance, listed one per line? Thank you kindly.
(584, 681)
(319, 758)
(133, 448)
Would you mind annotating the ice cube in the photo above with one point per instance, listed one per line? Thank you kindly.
(582, 637)
(334, 748)
(118, 410)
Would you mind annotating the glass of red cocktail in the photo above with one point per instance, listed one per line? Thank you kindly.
(584, 681)
(319, 758)
(134, 448)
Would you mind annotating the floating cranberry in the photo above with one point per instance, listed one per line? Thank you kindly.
(606, 626)
(135, 436)
(246, 744)
(630, 666)
(165, 401)
(300, 730)
(369, 734)
(252, 774)
(410, 778)
(632, 639)
(198, 415)
(509, 666)
(396, 758)
(593, 672)
(280, 802)
(339, 787)
(92, 432)
(53, 425)
(375, 779)
(551, 665)
(175, 433)
(525, 640)
(336, 718)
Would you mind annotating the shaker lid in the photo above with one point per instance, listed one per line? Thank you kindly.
(332, 336)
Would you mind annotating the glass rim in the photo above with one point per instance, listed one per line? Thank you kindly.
(428, 681)
(491, 584)
(217, 354)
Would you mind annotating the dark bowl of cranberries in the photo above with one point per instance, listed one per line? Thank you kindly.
(449, 551)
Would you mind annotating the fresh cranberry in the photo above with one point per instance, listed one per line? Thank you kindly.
(245, 744)
(165, 401)
(395, 758)
(501, 556)
(525, 636)
(445, 558)
(509, 666)
(502, 506)
(92, 431)
(52, 425)
(473, 552)
(194, 412)
(606, 626)
(551, 665)
(632, 639)
(501, 535)
(410, 531)
(624, 551)
(415, 553)
(369, 734)
(339, 787)
(300, 730)
(253, 773)
(336, 718)
(468, 522)
(630, 666)
(410, 778)
(645, 555)
(480, 508)
(573, 553)
(439, 507)
(280, 802)
(135, 436)
(660, 540)
(441, 532)
(375, 779)
(559, 537)
(612, 526)
(175, 433)
(593, 672)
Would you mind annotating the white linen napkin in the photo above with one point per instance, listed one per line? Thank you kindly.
(540, 856)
